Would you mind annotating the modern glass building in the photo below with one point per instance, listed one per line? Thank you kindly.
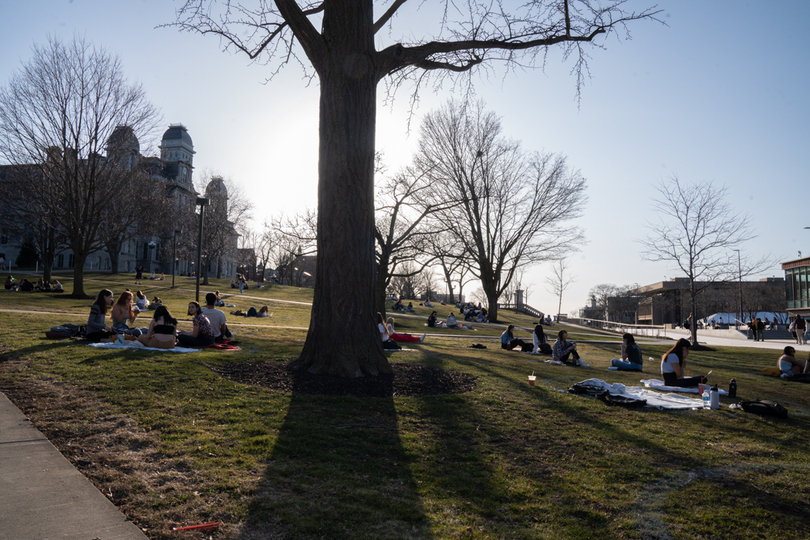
(797, 286)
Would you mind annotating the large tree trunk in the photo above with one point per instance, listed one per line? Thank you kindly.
(343, 339)
(78, 274)
(380, 286)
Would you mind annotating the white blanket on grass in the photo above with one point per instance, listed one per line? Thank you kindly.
(654, 399)
(139, 345)
(658, 384)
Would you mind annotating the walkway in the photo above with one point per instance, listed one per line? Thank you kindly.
(43, 497)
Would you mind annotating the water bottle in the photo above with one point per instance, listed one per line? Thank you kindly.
(732, 388)
(715, 398)
(707, 403)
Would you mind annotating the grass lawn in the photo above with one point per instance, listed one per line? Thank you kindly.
(172, 443)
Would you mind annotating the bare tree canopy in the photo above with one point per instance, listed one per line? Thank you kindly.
(699, 232)
(559, 280)
(339, 40)
(59, 114)
(404, 229)
(513, 208)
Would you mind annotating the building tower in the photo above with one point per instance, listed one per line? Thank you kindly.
(177, 152)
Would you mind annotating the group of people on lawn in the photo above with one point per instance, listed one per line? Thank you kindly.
(209, 323)
(26, 286)
(673, 362)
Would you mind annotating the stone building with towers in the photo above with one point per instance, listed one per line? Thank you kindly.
(174, 169)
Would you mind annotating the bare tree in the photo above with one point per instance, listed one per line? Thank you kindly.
(513, 208)
(28, 214)
(339, 39)
(452, 260)
(698, 231)
(58, 113)
(403, 230)
(560, 280)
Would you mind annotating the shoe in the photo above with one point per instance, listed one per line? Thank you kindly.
(422, 338)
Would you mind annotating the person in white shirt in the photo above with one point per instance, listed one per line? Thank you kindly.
(217, 318)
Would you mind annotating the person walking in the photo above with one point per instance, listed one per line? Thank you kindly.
(801, 326)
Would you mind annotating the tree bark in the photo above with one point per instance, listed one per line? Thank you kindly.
(343, 339)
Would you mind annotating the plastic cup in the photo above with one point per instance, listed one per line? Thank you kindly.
(531, 380)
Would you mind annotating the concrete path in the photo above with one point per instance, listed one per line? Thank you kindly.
(42, 496)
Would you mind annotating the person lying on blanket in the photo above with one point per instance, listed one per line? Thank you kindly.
(631, 355)
(673, 366)
(789, 364)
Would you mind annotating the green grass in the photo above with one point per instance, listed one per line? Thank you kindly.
(504, 461)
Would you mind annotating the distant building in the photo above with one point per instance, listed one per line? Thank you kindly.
(174, 168)
(670, 302)
(797, 286)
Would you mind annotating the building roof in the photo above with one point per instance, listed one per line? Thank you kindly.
(178, 131)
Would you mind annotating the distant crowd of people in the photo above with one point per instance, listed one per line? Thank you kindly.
(41, 285)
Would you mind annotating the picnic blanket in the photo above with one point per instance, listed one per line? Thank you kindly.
(654, 399)
(658, 384)
(139, 345)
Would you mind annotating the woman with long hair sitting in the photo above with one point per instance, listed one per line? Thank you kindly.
(631, 355)
(203, 333)
(97, 329)
(406, 338)
(673, 366)
(122, 313)
(162, 332)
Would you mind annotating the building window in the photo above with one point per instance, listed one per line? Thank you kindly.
(70, 260)
(60, 261)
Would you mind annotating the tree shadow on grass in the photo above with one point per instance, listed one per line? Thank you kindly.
(338, 470)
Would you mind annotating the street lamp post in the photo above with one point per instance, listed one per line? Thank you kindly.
(202, 203)
(739, 269)
(174, 255)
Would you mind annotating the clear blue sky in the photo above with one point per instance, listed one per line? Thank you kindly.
(720, 94)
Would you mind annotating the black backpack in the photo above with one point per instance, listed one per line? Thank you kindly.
(764, 407)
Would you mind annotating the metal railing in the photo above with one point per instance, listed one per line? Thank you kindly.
(646, 330)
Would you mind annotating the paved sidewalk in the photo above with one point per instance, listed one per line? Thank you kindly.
(42, 496)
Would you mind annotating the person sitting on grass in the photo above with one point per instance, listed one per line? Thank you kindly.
(388, 343)
(565, 351)
(788, 364)
(122, 313)
(26, 286)
(162, 332)
(203, 333)
(451, 321)
(410, 307)
(539, 339)
(631, 355)
(406, 338)
(217, 318)
(57, 287)
(10, 284)
(97, 329)
(431, 322)
(510, 342)
(673, 366)
(141, 301)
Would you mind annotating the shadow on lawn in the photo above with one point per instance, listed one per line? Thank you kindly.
(338, 470)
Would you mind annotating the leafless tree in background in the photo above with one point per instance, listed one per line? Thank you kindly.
(513, 209)
(404, 230)
(58, 113)
(350, 52)
(559, 280)
(698, 231)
